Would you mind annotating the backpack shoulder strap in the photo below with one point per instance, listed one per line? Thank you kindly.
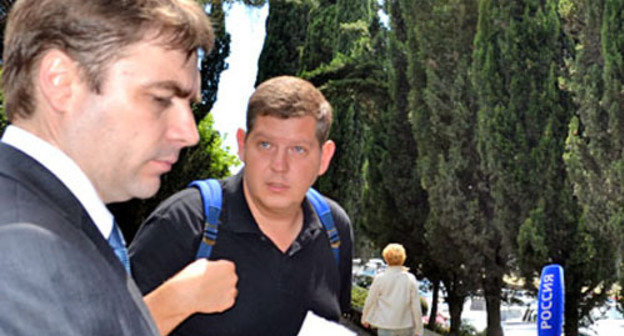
(324, 212)
(211, 195)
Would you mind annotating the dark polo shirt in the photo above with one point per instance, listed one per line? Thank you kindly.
(275, 289)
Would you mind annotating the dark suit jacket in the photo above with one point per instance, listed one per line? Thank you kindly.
(58, 275)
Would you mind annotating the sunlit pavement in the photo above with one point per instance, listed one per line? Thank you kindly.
(529, 329)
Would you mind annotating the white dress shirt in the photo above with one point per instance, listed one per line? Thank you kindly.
(393, 301)
(66, 170)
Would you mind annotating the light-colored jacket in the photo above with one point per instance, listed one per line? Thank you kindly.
(393, 301)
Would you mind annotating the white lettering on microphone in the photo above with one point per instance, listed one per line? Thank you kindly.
(546, 302)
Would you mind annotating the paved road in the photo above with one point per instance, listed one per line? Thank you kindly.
(356, 328)
(363, 332)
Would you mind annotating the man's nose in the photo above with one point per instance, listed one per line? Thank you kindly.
(279, 160)
(183, 128)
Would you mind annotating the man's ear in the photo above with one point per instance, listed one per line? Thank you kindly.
(56, 79)
(240, 139)
(327, 152)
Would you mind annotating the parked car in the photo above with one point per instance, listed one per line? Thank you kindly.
(363, 275)
(519, 319)
(608, 320)
(520, 329)
(356, 265)
(474, 313)
(374, 266)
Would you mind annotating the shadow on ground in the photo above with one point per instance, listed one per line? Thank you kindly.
(367, 332)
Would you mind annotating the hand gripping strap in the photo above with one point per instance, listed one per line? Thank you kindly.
(324, 212)
(211, 195)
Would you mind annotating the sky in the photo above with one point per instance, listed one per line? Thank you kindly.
(247, 27)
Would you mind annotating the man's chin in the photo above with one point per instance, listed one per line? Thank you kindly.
(146, 190)
(280, 204)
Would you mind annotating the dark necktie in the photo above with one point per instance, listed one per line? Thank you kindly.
(117, 242)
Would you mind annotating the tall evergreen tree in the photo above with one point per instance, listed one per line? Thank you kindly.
(396, 205)
(319, 44)
(286, 31)
(522, 113)
(554, 231)
(3, 122)
(444, 127)
(354, 83)
(594, 154)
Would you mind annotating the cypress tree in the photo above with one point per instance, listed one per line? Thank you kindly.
(448, 160)
(319, 44)
(594, 153)
(286, 31)
(522, 116)
(553, 231)
(396, 205)
(557, 230)
(354, 84)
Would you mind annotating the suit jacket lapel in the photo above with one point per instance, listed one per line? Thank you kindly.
(34, 176)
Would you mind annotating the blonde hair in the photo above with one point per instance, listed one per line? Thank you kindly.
(394, 254)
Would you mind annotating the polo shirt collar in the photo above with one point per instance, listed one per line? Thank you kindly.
(239, 218)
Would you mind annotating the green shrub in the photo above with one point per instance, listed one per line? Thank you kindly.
(467, 329)
(358, 297)
(424, 307)
(440, 329)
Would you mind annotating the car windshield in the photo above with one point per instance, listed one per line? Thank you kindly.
(613, 314)
(511, 314)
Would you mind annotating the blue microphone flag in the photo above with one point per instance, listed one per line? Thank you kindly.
(550, 301)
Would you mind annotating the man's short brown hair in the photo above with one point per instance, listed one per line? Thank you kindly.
(290, 97)
(94, 33)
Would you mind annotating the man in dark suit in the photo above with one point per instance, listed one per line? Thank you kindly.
(98, 94)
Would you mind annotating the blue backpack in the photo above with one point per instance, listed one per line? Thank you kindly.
(211, 194)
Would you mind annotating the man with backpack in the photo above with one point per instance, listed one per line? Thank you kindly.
(290, 245)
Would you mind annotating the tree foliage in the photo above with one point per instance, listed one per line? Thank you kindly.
(594, 144)
(523, 115)
(396, 205)
(444, 122)
(286, 28)
(351, 77)
(554, 231)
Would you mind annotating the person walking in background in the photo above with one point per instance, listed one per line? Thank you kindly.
(393, 302)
